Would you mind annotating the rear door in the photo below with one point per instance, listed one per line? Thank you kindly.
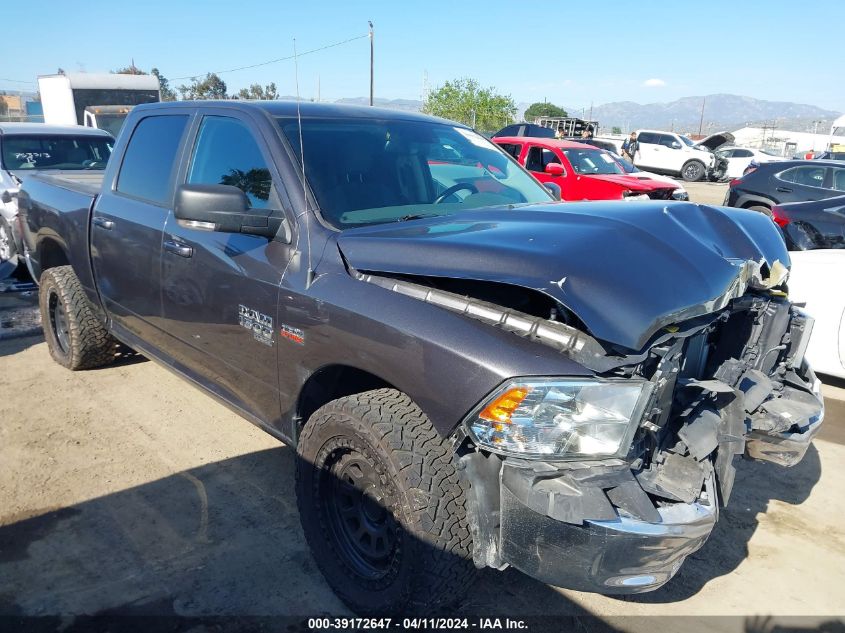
(647, 150)
(220, 290)
(802, 183)
(128, 223)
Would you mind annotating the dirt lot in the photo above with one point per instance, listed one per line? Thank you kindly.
(125, 490)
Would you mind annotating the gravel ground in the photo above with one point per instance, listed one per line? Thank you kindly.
(126, 490)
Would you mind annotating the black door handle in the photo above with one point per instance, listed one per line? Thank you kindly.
(784, 189)
(178, 249)
(101, 222)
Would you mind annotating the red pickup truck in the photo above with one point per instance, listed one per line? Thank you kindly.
(582, 172)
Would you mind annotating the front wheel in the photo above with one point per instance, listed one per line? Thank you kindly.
(382, 505)
(693, 171)
(75, 336)
(8, 249)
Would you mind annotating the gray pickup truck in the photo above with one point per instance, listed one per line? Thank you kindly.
(472, 373)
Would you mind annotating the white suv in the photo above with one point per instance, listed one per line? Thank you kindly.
(673, 153)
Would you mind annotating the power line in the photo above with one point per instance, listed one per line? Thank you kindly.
(16, 81)
(280, 59)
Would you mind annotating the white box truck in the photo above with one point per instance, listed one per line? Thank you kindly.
(100, 100)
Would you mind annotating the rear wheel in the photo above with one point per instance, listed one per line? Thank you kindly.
(75, 336)
(693, 171)
(761, 209)
(382, 505)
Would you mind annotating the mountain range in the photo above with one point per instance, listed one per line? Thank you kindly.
(721, 112)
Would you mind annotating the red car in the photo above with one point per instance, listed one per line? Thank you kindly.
(582, 172)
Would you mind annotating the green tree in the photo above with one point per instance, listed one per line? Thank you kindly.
(616, 130)
(543, 108)
(211, 87)
(465, 101)
(255, 91)
(167, 93)
(131, 69)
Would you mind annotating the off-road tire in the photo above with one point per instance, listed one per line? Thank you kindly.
(760, 209)
(87, 343)
(418, 485)
(693, 171)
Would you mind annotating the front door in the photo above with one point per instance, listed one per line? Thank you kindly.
(220, 290)
(127, 226)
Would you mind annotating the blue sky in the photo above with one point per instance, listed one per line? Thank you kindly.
(772, 49)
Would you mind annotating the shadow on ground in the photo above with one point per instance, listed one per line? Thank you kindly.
(224, 539)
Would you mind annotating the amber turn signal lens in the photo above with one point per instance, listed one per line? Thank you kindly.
(501, 409)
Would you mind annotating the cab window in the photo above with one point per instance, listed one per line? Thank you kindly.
(226, 153)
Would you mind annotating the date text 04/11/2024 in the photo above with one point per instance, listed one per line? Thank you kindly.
(325, 624)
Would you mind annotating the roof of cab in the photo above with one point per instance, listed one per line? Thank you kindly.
(306, 109)
(43, 129)
(549, 142)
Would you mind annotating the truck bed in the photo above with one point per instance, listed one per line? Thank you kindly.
(85, 182)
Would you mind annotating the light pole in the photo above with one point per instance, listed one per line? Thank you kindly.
(372, 36)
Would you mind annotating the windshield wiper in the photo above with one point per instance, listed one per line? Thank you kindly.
(417, 216)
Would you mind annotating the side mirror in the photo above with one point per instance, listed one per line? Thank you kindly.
(6, 197)
(223, 208)
(553, 189)
(554, 169)
(676, 145)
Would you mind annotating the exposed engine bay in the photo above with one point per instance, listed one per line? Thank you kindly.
(727, 383)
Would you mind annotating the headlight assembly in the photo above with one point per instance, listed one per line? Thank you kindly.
(561, 417)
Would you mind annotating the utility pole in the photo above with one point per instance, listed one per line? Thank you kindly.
(372, 37)
(701, 120)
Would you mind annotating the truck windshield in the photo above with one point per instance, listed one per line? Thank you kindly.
(370, 171)
(592, 161)
(111, 123)
(55, 152)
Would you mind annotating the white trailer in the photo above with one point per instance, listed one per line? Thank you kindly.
(100, 100)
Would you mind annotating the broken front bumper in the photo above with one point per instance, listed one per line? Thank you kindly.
(784, 449)
(591, 527)
(621, 555)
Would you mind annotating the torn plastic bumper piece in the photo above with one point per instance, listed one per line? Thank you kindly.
(619, 555)
(784, 449)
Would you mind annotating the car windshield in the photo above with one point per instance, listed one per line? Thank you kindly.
(686, 141)
(592, 161)
(55, 152)
(370, 171)
(627, 165)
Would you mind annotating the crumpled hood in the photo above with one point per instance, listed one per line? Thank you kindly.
(630, 182)
(625, 270)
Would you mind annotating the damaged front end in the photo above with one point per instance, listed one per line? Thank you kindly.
(619, 511)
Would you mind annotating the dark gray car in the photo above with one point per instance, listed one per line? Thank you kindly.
(473, 374)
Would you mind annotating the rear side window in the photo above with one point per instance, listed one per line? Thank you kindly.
(839, 179)
(647, 137)
(807, 176)
(148, 163)
(511, 148)
(742, 153)
(226, 153)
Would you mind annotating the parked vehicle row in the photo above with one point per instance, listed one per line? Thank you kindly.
(472, 373)
(582, 172)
